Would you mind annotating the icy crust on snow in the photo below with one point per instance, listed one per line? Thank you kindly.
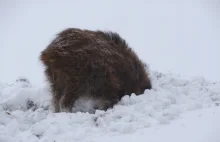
(26, 115)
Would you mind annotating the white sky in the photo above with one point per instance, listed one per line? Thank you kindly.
(178, 36)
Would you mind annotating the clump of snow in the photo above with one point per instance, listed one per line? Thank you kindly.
(26, 115)
(85, 104)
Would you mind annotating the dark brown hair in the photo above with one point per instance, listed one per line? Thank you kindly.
(95, 64)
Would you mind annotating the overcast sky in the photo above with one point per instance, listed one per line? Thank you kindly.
(178, 36)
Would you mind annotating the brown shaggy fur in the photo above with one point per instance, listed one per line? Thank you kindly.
(96, 64)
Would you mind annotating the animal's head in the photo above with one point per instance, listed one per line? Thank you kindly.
(143, 81)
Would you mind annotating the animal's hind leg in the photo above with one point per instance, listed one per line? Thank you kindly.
(55, 100)
(67, 101)
(55, 103)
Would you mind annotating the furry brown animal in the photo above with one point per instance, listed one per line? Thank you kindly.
(94, 64)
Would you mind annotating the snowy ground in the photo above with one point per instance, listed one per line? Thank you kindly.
(195, 126)
(175, 110)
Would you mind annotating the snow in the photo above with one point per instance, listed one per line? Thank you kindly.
(176, 109)
(194, 126)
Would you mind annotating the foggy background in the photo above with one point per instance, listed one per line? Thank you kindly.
(177, 36)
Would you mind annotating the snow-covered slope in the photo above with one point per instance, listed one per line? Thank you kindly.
(163, 111)
(200, 125)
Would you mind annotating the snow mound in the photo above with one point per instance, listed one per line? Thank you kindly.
(26, 115)
(22, 96)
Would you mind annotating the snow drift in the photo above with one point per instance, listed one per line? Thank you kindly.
(26, 115)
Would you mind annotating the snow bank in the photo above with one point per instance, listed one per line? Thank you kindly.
(26, 115)
(22, 96)
(201, 125)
